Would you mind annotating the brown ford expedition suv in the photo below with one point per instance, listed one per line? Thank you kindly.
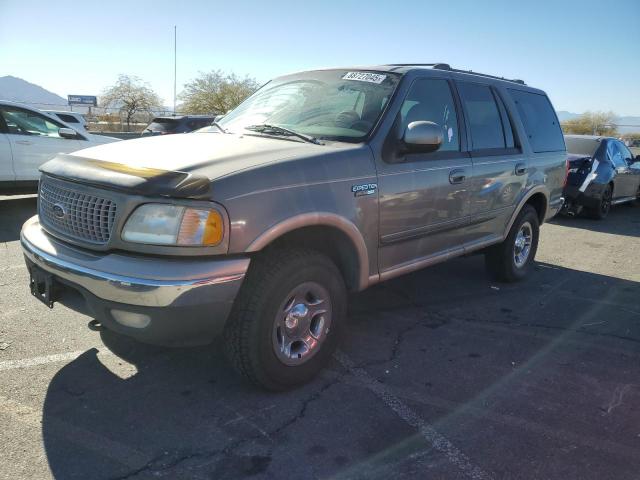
(320, 183)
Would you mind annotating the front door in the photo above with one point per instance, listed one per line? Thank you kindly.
(6, 164)
(34, 140)
(423, 196)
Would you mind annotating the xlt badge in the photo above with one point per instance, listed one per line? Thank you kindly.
(364, 189)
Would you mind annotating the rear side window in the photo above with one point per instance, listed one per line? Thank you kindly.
(614, 154)
(67, 118)
(539, 120)
(483, 116)
(626, 153)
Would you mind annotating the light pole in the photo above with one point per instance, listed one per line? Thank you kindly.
(175, 65)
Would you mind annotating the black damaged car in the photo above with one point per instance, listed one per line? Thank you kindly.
(602, 172)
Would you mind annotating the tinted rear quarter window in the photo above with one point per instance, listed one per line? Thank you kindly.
(539, 120)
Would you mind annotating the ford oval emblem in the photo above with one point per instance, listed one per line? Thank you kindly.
(59, 211)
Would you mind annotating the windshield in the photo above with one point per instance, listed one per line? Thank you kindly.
(332, 104)
(582, 146)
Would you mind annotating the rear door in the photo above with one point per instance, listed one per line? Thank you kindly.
(34, 139)
(499, 165)
(424, 196)
(538, 133)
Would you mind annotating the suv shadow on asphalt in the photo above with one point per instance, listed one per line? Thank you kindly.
(623, 219)
(526, 362)
(13, 213)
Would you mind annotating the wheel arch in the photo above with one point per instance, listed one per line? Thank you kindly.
(331, 234)
(538, 198)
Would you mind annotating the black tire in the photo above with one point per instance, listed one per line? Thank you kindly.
(250, 332)
(602, 210)
(500, 259)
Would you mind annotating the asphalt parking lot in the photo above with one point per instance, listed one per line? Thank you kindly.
(442, 375)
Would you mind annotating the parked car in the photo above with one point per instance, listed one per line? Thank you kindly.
(602, 172)
(28, 138)
(321, 183)
(73, 119)
(177, 124)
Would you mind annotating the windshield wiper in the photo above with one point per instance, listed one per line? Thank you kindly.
(277, 130)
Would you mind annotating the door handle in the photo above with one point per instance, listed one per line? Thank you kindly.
(457, 176)
(521, 169)
(23, 142)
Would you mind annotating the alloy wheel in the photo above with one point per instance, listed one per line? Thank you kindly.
(522, 244)
(302, 324)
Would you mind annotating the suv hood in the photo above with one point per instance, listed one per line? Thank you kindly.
(181, 165)
(210, 154)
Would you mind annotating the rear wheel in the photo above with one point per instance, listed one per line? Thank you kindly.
(510, 260)
(287, 318)
(602, 210)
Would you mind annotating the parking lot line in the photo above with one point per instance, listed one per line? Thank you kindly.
(31, 362)
(437, 440)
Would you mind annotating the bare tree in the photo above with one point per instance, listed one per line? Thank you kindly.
(592, 123)
(130, 95)
(216, 92)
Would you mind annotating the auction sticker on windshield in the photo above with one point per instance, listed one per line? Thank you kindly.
(364, 77)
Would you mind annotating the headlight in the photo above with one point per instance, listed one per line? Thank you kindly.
(161, 224)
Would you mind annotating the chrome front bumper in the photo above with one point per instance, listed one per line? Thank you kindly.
(163, 288)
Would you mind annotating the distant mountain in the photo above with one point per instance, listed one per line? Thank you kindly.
(19, 90)
(563, 115)
(628, 124)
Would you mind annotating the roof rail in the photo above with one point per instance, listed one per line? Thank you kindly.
(446, 66)
(439, 66)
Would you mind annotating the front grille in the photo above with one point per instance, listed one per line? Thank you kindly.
(78, 215)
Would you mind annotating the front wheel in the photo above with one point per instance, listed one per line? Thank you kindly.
(510, 260)
(286, 320)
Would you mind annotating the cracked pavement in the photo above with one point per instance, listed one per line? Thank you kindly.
(531, 380)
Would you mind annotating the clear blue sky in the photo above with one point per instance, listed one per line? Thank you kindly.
(585, 54)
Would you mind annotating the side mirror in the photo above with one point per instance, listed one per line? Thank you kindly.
(68, 133)
(636, 159)
(423, 137)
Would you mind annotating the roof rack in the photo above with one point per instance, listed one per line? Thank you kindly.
(446, 66)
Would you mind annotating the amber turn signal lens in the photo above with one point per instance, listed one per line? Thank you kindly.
(200, 227)
(213, 229)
